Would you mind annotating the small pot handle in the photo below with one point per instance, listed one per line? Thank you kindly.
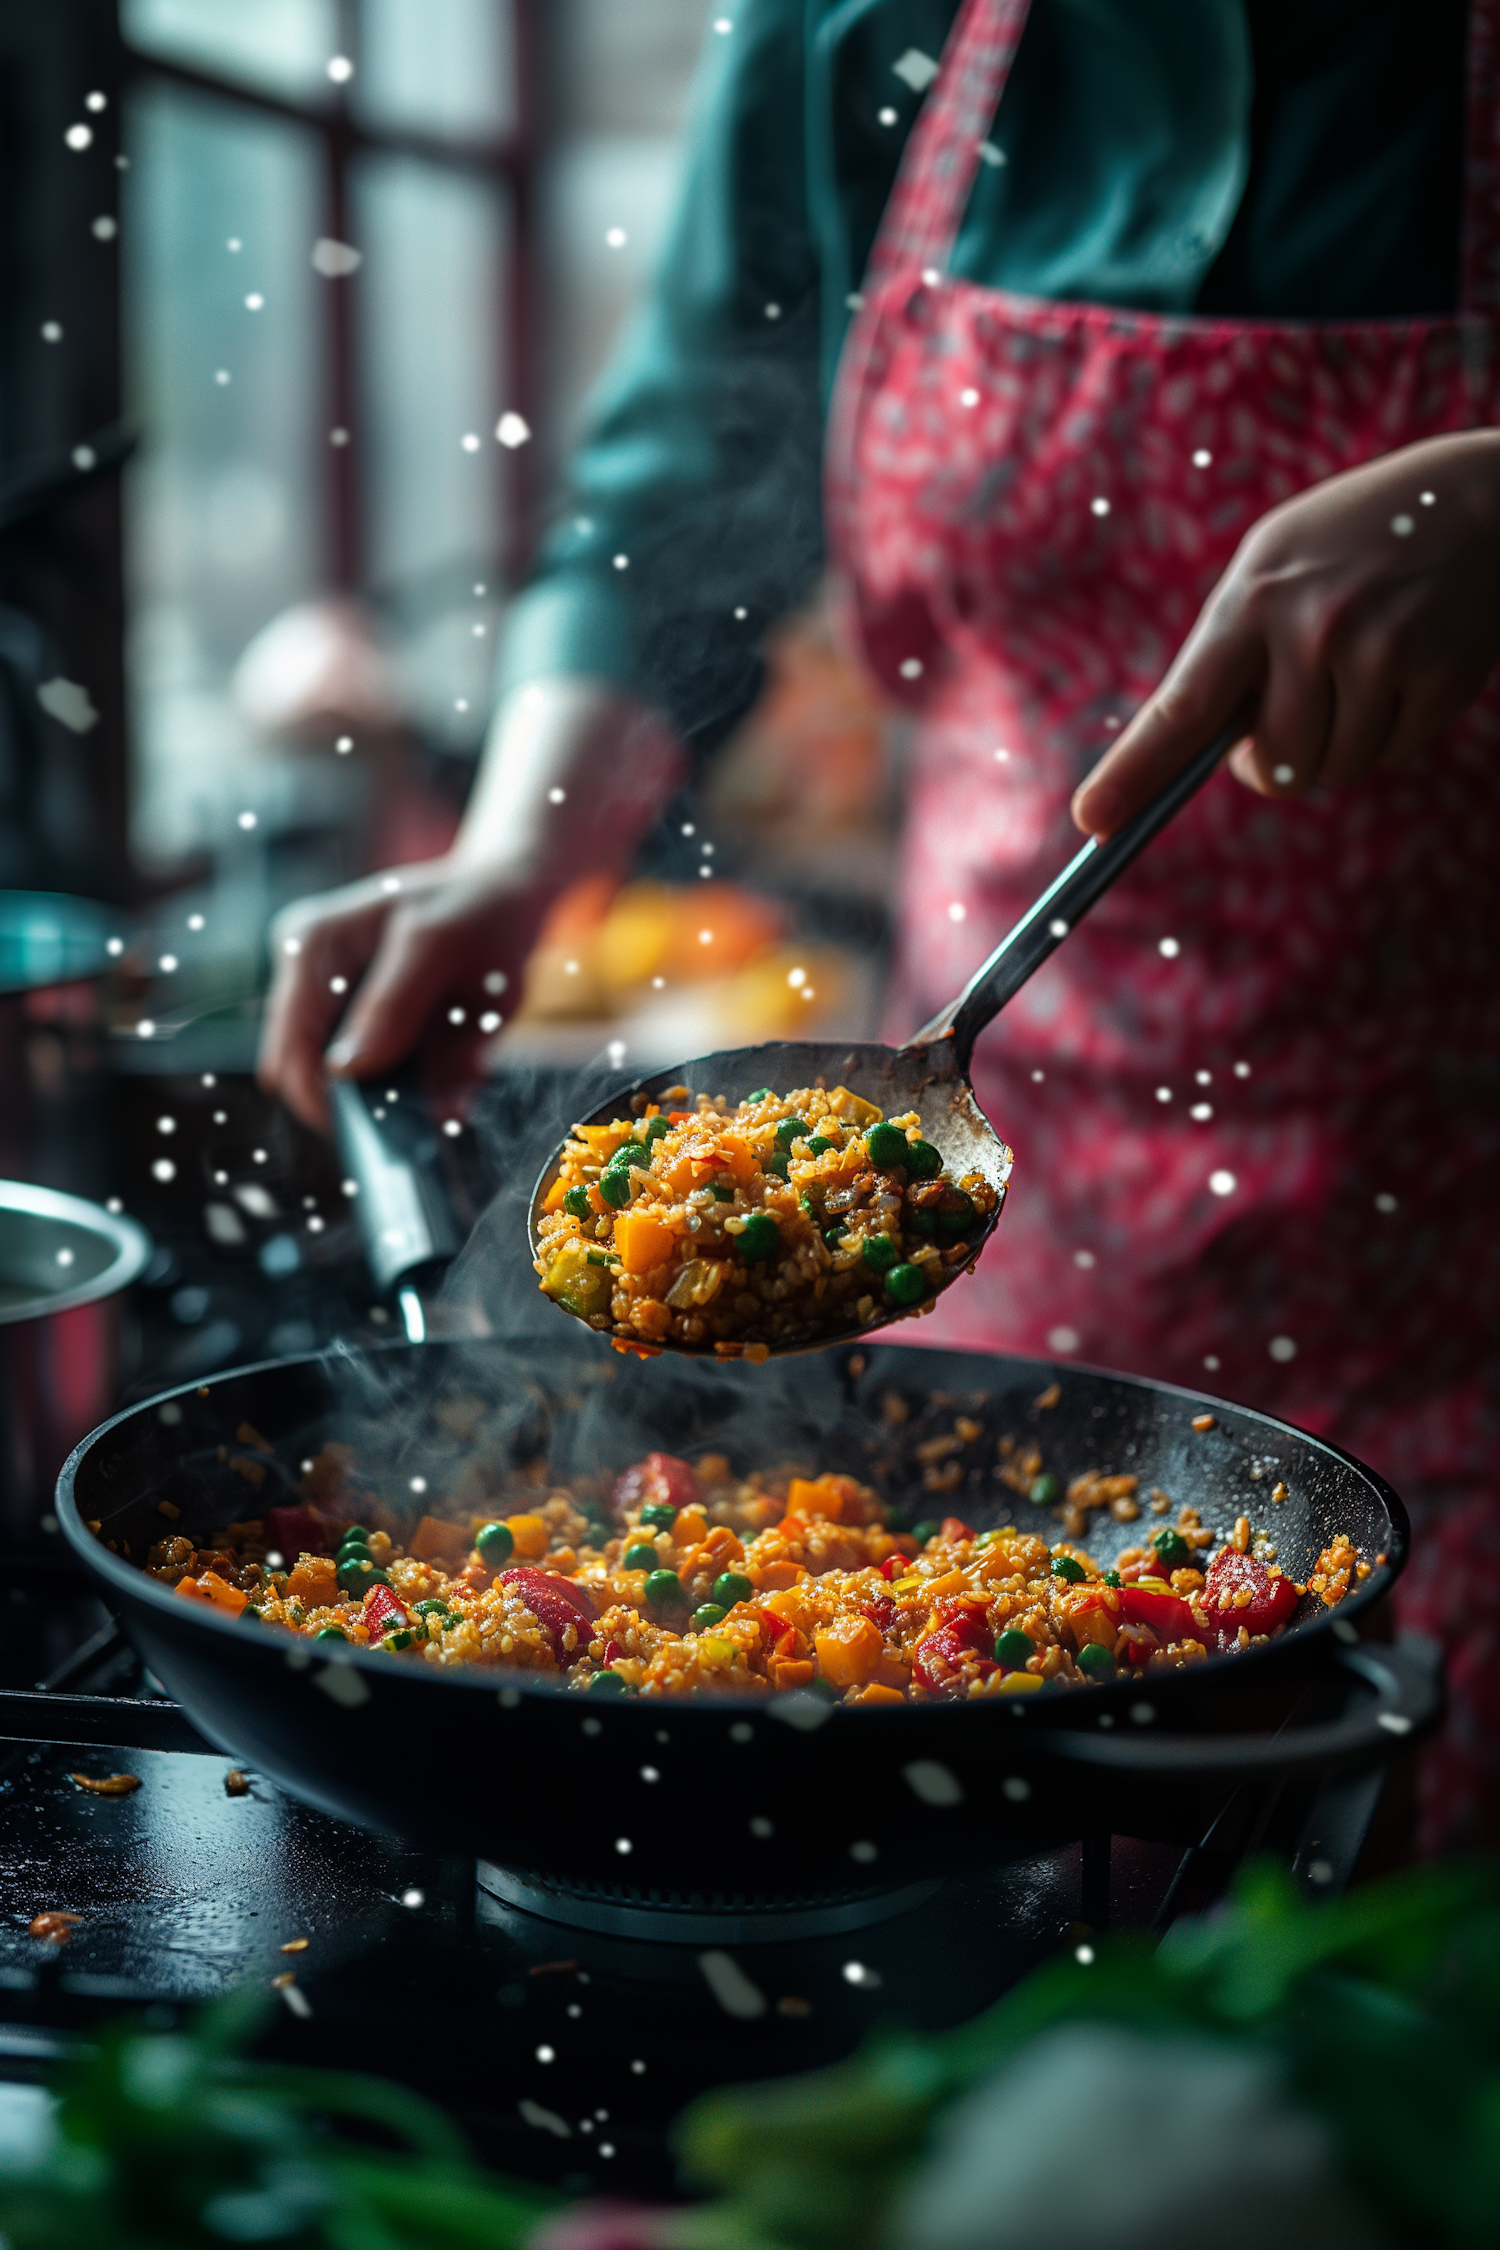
(1407, 1701)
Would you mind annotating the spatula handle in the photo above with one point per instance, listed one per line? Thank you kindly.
(1043, 927)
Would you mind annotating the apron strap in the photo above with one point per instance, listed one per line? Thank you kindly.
(1480, 287)
(926, 206)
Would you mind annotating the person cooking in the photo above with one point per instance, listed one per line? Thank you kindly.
(1155, 343)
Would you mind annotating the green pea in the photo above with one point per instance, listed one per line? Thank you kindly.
(354, 1577)
(660, 1514)
(905, 1285)
(880, 1253)
(1112, 1578)
(820, 1144)
(956, 1220)
(614, 1186)
(663, 1586)
(597, 1535)
(707, 1615)
(629, 1154)
(836, 1232)
(1042, 1491)
(495, 1544)
(923, 1224)
(723, 1195)
(1013, 1648)
(791, 1129)
(657, 1129)
(354, 1550)
(777, 1165)
(927, 1529)
(577, 1202)
(606, 1683)
(759, 1238)
(886, 1145)
(729, 1587)
(1173, 1550)
(1063, 1566)
(400, 1639)
(923, 1160)
(356, 1531)
(761, 1094)
(330, 1633)
(1094, 1659)
(640, 1555)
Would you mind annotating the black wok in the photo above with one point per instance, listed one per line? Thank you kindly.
(712, 1799)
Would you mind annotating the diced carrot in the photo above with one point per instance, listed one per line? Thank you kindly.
(848, 1650)
(790, 1604)
(223, 1596)
(1094, 1624)
(642, 1240)
(314, 1581)
(555, 1194)
(820, 1496)
(876, 1693)
(681, 1116)
(189, 1590)
(436, 1540)
(690, 1527)
(531, 1536)
(772, 1577)
(790, 1672)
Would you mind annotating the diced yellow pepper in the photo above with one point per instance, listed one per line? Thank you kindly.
(1020, 1683)
(576, 1285)
(530, 1535)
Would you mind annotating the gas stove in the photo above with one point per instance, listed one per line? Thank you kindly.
(564, 2033)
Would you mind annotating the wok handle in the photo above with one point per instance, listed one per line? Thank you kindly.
(1407, 1680)
(1042, 928)
(392, 1153)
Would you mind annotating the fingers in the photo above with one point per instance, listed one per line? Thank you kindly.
(1213, 676)
(1293, 722)
(413, 968)
(317, 960)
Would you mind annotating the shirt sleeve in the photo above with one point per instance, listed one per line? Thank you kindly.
(692, 517)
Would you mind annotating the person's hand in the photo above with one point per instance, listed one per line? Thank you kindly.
(572, 776)
(1354, 624)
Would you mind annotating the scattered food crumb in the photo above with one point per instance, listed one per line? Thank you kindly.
(107, 1785)
(169, 1509)
(1203, 1422)
(287, 1976)
(57, 1927)
(792, 2006)
(1049, 1397)
(236, 1784)
(296, 1945)
(552, 1968)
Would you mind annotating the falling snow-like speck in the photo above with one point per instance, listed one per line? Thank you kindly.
(255, 302)
(167, 963)
(51, 332)
(145, 1029)
(247, 820)
(1242, 1070)
(1403, 526)
(413, 1898)
(1037, 1077)
(969, 397)
(1202, 457)
(84, 457)
(1084, 1258)
(114, 947)
(452, 1128)
(104, 228)
(456, 1016)
(887, 116)
(79, 136)
(1169, 948)
(1222, 1183)
(338, 984)
(1057, 927)
(489, 1021)
(1099, 507)
(496, 981)
(1385, 1203)
(164, 1169)
(911, 668)
(1201, 1112)
(957, 911)
(166, 1124)
(114, 1204)
(1062, 1339)
(1282, 1348)
(1428, 499)
(512, 430)
(1164, 1093)
(1203, 1077)
(340, 69)
(222, 375)
(1283, 776)
(1211, 1362)
(617, 238)
(195, 921)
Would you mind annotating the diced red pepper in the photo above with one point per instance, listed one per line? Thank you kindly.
(613, 1650)
(554, 1602)
(954, 1527)
(881, 1611)
(681, 1116)
(1271, 1602)
(940, 1656)
(661, 1478)
(1169, 1618)
(299, 1531)
(895, 1566)
(383, 1613)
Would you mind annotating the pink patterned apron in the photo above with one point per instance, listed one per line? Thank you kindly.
(1255, 1099)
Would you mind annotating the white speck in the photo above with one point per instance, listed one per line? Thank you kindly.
(1099, 507)
(495, 982)
(1428, 499)
(658, 984)
(741, 613)
(1085, 1954)
(915, 69)
(741, 1732)
(545, 2120)
(349, 1187)
(1203, 1077)
(1211, 1362)
(546, 2054)
(1037, 1076)
(1084, 1258)
(413, 1897)
(1321, 1871)
(886, 117)
(639, 2069)
(1062, 1339)
(762, 1828)
(79, 136)
(1016, 1789)
(452, 1128)
(1222, 1183)
(195, 921)
(470, 441)
(616, 237)
(340, 69)
(606, 2148)
(104, 228)
(1202, 458)
(911, 668)
(854, 299)
(773, 312)
(969, 397)
(338, 437)
(65, 1257)
(51, 332)
(623, 1844)
(222, 375)
(166, 1124)
(723, 26)
(344, 745)
(869, 1980)
(1282, 1348)
(1113, 724)
(512, 430)
(1164, 1093)
(114, 1204)
(931, 276)
(390, 884)
(957, 911)
(933, 1783)
(234, 243)
(730, 1986)
(208, 1079)
(84, 457)
(490, 1022)
(221, 1179)
(69, 703)
(255, 302)
(989, 154)
(291, 945)
(796, 978)
(417, 1484)
(557, 796)
(1143, 1713)
(456, 1016)
(622, 562)
(1169, 948)
(1386, 1203)
(1001, 757)
(315, 1225)
(1242, 1070)
(167, 963)
(1057, 927)
(460, 703)
(574, 2010)
(95, 102)
(1403, 526)
(1393, 1722)
(1283, 776)
(333, 260)
(338, 984)
(258, 1156)
(247, 820)
(145, 1029)
(864, 1852)
(1201, 1112)
(343, 1684)
(650, 1773)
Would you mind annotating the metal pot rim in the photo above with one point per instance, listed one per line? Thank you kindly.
(131, 1244)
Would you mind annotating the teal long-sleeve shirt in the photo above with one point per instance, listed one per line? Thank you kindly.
(1287, 159)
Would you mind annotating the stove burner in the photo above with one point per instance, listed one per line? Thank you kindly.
(698, 1918)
